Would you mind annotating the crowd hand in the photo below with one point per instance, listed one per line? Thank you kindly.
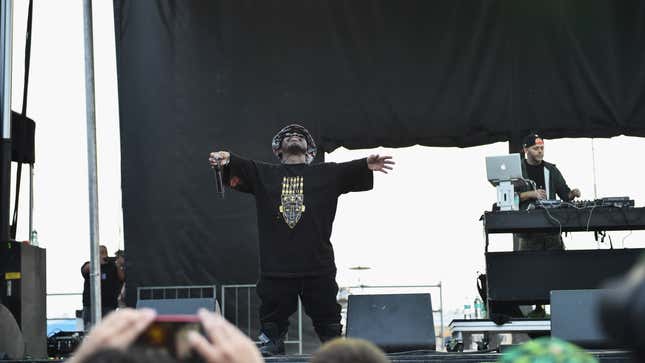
(227, 343)
(219, 157)
(380, 163)
(575, 193)
(117, 331)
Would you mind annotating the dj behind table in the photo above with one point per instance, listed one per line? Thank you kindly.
(528, 277)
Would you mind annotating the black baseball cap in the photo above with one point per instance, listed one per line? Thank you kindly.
(532, 139)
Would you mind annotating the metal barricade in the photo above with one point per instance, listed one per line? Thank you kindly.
(178, 299)
(176, 292)
(236, 316)
(65, 300)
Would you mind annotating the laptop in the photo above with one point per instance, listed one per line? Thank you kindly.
(503, 168)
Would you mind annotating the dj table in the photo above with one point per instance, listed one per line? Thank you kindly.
(527, 277)
(564, 220)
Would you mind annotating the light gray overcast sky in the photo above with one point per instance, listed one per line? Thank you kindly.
(418, 226)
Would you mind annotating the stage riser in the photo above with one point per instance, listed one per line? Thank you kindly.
(602, 356)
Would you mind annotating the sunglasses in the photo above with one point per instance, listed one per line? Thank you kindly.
(292, 134)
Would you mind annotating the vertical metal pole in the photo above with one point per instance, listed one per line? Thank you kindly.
(95, 267)
(593, 164)
(248, 310)
(441, 316)
(237, 307)
(223, 307)
(6, 38)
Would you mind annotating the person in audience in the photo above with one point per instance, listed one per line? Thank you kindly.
(622, 310)
(547, 350)
(349, 350)
(111, 341)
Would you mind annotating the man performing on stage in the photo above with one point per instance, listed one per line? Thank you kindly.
(548, 182)
(296, 204)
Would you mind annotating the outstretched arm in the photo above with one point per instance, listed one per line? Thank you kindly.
(380, 163)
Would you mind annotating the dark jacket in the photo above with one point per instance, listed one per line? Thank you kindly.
(557, 184)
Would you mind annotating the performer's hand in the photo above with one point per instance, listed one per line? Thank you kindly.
(221, 157)
(117, 331)
(227, 343)
(539, 194)
(380, 163)
(575, 193)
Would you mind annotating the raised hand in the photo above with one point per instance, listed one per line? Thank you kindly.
(225, 343)
(380, 163)
(117, 331)
(219, 157)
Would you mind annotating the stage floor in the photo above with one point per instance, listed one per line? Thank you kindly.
(601, 355)
(608, 356)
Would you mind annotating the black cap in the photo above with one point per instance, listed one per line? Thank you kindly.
(532, 139)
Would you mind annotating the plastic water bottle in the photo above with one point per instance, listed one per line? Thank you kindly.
(479, 308)
(468, 310)
(34, 238)
(516, 201)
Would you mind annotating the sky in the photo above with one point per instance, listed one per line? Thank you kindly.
(418, 226)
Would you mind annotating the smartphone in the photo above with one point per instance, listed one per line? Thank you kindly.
(170, 332)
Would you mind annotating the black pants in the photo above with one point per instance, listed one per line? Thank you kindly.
(279, 300)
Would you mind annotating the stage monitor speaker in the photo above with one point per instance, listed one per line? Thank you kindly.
(575, 317)
(395, 322)
(23, 281)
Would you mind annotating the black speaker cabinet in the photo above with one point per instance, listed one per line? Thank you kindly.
(575, 317)
(396, 322)
(23, 286)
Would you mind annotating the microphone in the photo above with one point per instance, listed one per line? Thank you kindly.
(219, 185)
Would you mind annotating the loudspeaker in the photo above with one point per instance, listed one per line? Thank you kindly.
(575, 317)
(11, 343)
(23, 131)
(23, 281)
(395, 322)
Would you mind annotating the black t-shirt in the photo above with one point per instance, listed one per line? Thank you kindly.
(296, 206)
(110, 285)
(536, 173)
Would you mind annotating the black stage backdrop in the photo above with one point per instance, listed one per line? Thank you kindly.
(195, 76)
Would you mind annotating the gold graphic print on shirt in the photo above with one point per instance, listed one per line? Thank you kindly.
(292, 200)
